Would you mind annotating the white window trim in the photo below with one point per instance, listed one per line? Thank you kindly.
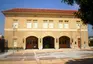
(29, 24)
(78, 25)
(51, 25)
(35, 24)
(60, 25)
(15, 24)
(45, 24)
(66, 25)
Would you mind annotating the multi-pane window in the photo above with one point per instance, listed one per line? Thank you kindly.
(29, 24)
(60, 24)
(45, 24)
(15, 23)
(35, 24)
(51, 25)
(66, 25)
(78, 24)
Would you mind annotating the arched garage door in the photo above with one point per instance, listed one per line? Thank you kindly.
(48, 42)
(31, 42)
(64, 42)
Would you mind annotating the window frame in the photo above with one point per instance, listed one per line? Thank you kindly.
(45, 23)
(51, 24)
(35, 24)
(28, 24)
(60, 24)
(15, 23)
(66, 24)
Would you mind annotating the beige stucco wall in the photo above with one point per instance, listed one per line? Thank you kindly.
(22, 32)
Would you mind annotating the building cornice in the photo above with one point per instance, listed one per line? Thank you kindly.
(29, 12)
(46, 30)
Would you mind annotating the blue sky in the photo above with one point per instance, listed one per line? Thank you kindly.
(54, 4)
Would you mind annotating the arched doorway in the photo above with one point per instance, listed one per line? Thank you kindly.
(31, 42)
(48, 42)
(64, 42)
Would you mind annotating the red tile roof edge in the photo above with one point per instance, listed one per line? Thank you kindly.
(39, 10)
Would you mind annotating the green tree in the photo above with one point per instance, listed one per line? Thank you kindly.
(85, 11)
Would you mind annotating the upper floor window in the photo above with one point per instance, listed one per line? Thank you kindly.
(78, 24)
(15, 23)
(66, 24)
(29, 24)
(51, 25)
(60, 24)
(45, 24)
(35, 24)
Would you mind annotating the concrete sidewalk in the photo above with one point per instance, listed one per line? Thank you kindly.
(7, 53)
(44, 56)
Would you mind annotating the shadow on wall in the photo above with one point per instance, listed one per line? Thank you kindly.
(80, 61)
(3, 45)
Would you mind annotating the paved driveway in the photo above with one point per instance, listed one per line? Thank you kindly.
(40, 57)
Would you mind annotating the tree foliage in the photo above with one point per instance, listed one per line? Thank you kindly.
(85, 11)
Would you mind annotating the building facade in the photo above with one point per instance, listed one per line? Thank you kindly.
(44, 29)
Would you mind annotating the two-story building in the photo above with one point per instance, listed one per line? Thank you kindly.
(44, 29)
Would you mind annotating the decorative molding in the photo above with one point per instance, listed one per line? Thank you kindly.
(45, 30)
